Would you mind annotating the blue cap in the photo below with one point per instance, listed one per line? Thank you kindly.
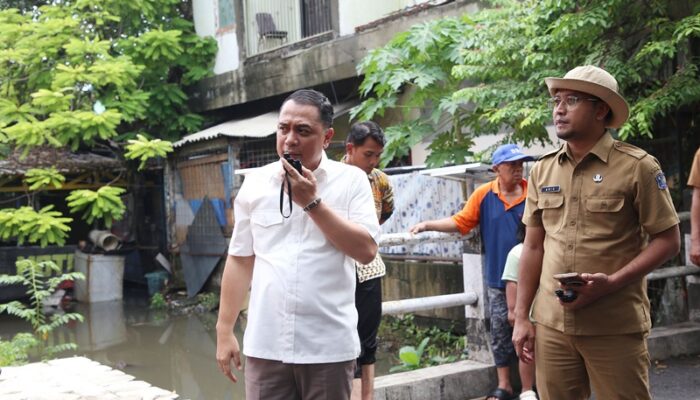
(509, 152)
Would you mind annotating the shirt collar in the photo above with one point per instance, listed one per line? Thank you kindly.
(324, 166)
(497, 190)
(508, 205)
(601, 149)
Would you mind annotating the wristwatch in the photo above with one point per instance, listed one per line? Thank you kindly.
(313, 204)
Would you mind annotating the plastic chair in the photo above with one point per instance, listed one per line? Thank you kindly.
(267, 29)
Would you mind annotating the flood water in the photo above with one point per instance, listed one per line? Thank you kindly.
(171, 352)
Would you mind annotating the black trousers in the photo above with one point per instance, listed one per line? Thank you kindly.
(368, 301)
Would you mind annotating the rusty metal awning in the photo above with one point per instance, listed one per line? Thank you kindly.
(258, 126)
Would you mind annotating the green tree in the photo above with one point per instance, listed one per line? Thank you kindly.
(85, 74)
(41, 279)
(94, 74)
(457, 78)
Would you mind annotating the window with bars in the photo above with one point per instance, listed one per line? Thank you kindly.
(274, 23)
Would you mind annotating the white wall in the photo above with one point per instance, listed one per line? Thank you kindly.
(353, 13)
(203, 15)
(488, 143)
(206, 24)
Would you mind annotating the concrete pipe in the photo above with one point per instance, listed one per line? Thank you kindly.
(104, 239)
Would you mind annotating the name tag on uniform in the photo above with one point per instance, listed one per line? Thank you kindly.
(551, 189)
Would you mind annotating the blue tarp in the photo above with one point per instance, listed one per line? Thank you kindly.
(228, 183)
(217, 204)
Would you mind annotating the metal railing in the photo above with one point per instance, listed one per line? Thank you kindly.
(429, 303)
(673, 272)
(470, 298)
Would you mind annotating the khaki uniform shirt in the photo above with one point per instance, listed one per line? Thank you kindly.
(694, 178)
(597, 216)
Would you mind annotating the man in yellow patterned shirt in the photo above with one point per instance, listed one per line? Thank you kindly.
(363, 148)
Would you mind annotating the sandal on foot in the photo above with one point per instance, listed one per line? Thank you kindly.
(528, 395)
(500, 394)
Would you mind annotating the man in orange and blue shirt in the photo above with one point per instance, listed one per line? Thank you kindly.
(497, 208)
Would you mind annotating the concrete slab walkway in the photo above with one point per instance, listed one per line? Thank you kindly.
(471, 380)
(75, 378)
(79, 378)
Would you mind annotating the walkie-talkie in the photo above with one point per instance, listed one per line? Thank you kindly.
(295, 163)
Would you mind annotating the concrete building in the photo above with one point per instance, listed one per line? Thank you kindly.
(268, 49)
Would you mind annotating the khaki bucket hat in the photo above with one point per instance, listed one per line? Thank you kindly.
(598, 82)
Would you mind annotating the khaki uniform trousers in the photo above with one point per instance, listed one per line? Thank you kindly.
(615, 366)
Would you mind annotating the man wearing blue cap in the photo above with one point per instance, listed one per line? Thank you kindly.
(497, 207)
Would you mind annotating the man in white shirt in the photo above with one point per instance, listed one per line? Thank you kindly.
(301, 336)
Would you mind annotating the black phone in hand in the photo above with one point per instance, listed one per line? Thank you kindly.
(570, 279)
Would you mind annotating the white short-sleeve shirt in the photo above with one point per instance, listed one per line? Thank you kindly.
(302, 298)
(510, 272)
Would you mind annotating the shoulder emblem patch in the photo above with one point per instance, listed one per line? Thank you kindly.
(661, 181)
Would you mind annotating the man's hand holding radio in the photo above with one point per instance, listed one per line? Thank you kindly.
(583, 289)
(303, 182)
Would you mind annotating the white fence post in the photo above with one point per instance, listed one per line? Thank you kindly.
(692, 283)
(478, 341)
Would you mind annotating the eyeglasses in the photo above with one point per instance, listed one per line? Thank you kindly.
(570, 101)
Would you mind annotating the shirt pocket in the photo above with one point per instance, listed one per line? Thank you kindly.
(552, 207)
(603, 216)
(266, 228)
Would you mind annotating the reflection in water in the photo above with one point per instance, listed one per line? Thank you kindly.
(171, 352)
(104, 325)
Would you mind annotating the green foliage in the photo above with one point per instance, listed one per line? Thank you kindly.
(16, 351)
(63, 57)
(201, 303)
(104, 204)
(28, 225)
(94, 73)
(143, 149)
(436, 346)
(41, 280)
(38, 178)
(454, 79)
(410, 357)
(158, 45)
(158, 302)
(208, 300)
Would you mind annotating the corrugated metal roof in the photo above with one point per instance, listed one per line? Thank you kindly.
(254, 127)
(17, 163)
